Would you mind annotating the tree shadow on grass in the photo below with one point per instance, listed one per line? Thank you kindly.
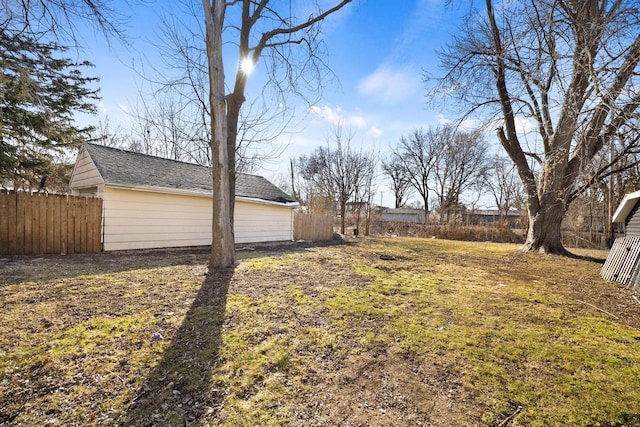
(178, 390)
(586, 258)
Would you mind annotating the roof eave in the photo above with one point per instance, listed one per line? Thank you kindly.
(290, 205)
(199, 193)
(625, 207)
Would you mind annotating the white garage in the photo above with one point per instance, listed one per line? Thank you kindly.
(151, 202)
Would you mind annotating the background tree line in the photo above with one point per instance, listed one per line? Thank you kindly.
(448, 172)
(442, 170)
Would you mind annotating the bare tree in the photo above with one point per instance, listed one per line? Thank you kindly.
(366, 190)
(261, 30)
(394, 169)
(295, 182)
(105, 133)
(340, 174)
(503, 183)
(614, 167)
(168, 128)
(60, 18)
(259, 125)
(419, 153)
(567, 68)
(461, 161)
(181, 83)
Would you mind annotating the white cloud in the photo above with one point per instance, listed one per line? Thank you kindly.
(525, 126)
(442, 120)
(123, 108)
(375, 131)
(391, 85)
(101, 107)
(470, 124)
(466, 125)
(338, 117)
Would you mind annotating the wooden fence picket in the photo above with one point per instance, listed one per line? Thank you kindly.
(312, 227)
(35, 223)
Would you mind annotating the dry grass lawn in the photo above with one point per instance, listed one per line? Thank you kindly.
(377, 332)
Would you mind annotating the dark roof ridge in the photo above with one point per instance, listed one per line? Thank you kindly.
(146, 155)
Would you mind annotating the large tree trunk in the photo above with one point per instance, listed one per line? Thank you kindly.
(343, 213)
(222, 245)
(233, 112)
(234, 104)
(543, 234)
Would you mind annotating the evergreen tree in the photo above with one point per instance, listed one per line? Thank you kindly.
(39, 94)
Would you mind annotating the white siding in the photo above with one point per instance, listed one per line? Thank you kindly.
(262, 223)
(84, 173)
(143, 219)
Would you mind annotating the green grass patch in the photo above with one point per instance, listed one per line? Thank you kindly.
(434, 331)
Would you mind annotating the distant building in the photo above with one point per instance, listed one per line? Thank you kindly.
(357, 206)
(402, 215)
(489, 216)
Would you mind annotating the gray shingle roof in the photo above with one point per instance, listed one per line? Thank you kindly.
(121, 167)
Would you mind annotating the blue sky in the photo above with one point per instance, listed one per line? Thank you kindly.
(378, 50)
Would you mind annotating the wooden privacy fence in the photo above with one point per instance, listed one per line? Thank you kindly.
(312, 227)
(33, 224)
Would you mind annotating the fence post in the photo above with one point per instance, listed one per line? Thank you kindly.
(57, 226)
(97, 225)
(11, 216)
(42, 223)
(71, 245)
(4, 223)
(20, 223)
(64, 202)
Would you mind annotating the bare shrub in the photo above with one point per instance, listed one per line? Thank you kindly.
(497, 232)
